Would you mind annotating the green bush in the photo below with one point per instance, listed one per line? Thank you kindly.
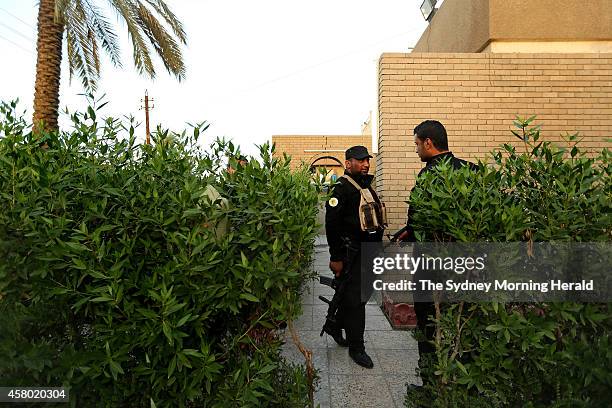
(520, 354)
(114, 281)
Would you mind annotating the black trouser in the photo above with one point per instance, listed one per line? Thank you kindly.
(425, 311)
(351, 317)
(351, 312)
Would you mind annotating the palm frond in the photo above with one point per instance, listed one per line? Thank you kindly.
(149, 23)
(104, 31)
(83, 55)
(163, 43)
(142, 56)
(61, 7)
(177, 27)
(90, 43)
(78, 60)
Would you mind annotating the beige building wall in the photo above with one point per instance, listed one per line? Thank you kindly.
(306, 149)
(477, 25)
(477, 96)
(558, 47)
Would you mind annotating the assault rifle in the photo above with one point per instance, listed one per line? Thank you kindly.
(339, 285)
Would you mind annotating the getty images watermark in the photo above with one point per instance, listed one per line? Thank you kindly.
(526, 272)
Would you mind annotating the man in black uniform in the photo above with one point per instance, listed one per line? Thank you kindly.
(431, 143)
(342, 222)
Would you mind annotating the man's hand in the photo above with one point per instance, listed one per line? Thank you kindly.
(403, 236)
(336, 267)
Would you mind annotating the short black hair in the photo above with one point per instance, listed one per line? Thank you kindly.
(434, 131)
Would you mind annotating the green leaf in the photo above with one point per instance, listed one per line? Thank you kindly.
(183, 320)
(249, 297)
(199, 249)
(172, 366)
(167, 332)
(102, 299)
(193, 353)
(461, 367)
(192, 212)
(76, 246)
(115, 368)
(267, 368)
(78, 264)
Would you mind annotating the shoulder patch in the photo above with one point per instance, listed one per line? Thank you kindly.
(333, 202)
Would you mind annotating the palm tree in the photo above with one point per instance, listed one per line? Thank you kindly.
(87, 30)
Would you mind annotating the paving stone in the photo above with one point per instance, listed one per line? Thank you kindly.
(309, 338)
(319, 358)
(322, 395)
(321, 241)
(309, 299)
(391, 340)
(398, 387)
(398, 362)
(304, 322)
(343, 383)
(359, 391)
(308, 295)
(374, 310)
(379, 323)
(324, 290)
(319, 312)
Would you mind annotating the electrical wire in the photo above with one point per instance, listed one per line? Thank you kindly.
(309, 67)
(16, 45)
(19, 33)
(15, 17)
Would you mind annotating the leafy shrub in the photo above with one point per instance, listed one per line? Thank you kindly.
(519, 354)
(115, 283)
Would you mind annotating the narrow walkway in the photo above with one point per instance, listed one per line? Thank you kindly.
(342, 382)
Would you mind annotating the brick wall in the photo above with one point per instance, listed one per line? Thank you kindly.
(298, 146)
(476, 97)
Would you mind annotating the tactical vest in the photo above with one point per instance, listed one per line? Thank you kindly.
(372, 213)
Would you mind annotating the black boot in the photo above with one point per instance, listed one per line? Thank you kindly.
(361, 358)
(336, 334)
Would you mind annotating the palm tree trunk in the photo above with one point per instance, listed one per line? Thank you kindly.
(48, 64)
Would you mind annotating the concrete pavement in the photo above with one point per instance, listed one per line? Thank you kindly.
(342, 382)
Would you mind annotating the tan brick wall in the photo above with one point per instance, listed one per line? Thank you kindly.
(298, 146)
(476, 97)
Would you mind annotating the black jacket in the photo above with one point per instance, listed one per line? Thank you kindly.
(431, 164)
(342, 216)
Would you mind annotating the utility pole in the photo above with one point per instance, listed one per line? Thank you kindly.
(147, 108)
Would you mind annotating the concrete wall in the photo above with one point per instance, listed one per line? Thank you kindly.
(546, 20)
(471, 25)
(477, 96)
(458, 26)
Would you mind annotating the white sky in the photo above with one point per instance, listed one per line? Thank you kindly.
(254, 69)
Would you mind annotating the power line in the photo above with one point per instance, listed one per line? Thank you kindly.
(19, 33)
(307, 68)
(15, 17)
(16, 45)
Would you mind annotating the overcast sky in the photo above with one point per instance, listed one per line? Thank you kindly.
(254, 69)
